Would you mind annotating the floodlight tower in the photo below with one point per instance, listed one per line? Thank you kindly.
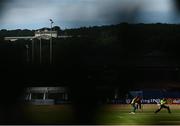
(51, 21)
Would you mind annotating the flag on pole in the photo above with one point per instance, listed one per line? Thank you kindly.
(51, 20)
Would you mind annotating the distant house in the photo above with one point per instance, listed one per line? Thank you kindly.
(46, 34)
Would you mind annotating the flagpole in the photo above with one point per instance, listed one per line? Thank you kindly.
(40, 50)
(32, 50)
(51, 43)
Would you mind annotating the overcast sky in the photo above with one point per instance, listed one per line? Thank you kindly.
(34, 14)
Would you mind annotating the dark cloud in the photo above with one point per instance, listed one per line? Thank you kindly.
(177, 4)
(3, 6)
(116, 14)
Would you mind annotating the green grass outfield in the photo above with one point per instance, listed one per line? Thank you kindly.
(49, 114)
(119, 114)
(106, 114)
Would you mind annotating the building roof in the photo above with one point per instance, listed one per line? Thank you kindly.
(45, 31)
(46, 89)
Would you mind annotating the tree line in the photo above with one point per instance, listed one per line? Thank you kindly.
(105, 51)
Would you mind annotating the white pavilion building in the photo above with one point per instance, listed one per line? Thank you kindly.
(46, 95)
